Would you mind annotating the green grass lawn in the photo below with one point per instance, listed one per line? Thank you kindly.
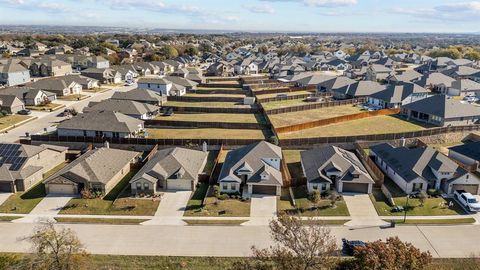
(195, 202)
(326, 222)
(114, 203)
(286, 103)
(305, 207)
(223, 208)
(365, 126)
(211, 117)
(456, 221)
(100, 221)
(200, 95)
(10, 120)
(205, 133)
(73, 97)
(210, 222)
(292, 118)
(206, 104)
(8, 218)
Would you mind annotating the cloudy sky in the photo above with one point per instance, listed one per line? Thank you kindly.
(253, 15)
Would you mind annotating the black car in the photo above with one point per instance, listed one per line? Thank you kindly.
(348, 247)
(24, 112)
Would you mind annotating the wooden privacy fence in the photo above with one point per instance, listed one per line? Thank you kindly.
(221, 79)
(214, 110)
(378, 137)
(333, 120)
(216, 167)
(205, 99)
(229, 125)
(370, 165)
(318, 105)
(140, 141)
(220, 91)
(219, 85)
(286, 176)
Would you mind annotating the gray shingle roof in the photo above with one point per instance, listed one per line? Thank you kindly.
(441, 105)
(128, 107)
(102, 121)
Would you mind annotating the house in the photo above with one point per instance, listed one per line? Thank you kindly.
(334, 83)
(188, 84)
(421, 168)
(85, 82)
(130, 108)
(23, 166)
(436, 82)
(467, 155)
(254, 168)
(50, 68)
(357, 89)
(170, 169)
(59, 87)
(440, 110)
(30, 96)
(331, 166)
(10, 104)
(127, 72)
(101, 124)
(13, 73)
(103, 75)
(406, 76)
(162, 86)
(396, 95)
(142, 96)
(98, 170)
(376, 72)
(340, 54)
(246, 67)
(464, 87)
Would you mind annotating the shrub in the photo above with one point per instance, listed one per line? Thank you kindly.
(315, 196)
(422, 197)
(433, 192)
(216, 191)
(223, 197)
(273, 140)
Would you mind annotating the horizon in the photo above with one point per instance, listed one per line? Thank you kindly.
(261, 16)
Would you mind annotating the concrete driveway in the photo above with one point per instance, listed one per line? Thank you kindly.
(361, 210)
(4, 196)
(47, 208)
(263, 208)
(171, 208)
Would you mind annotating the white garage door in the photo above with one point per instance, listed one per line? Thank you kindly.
(179, 184)
(61, 189)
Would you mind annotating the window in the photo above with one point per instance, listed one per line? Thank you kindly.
(224, 187)
(146, 186)
(139, 186)
(315, 187)
(233, 187)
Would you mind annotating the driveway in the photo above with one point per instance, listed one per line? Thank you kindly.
(47, 208)
(263, 208)
(4, 196)
(171, 208)
(361, 210)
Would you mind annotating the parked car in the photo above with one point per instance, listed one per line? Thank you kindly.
(24, 112)
(168, 112)
(348, 247)
(467, 200)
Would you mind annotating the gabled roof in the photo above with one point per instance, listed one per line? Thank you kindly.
(128, 107)
(398, 92)
(102, 121)
(435, 79)
(443, 106)
(360, 89)
(471, 150)
(140, 95)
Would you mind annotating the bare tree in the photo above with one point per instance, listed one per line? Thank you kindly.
(298, 246)
(56, 250)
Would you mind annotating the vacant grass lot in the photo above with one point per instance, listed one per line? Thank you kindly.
(204, 133)
(305, 207)
(287, 119)
(222, 208)
(211, 117)
(206, 104)
(10, 120)
(365, 126)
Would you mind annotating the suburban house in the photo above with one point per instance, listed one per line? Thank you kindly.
(170, 169)
(254, 168)
(101, 124)
(162, 86)
(103, 75)
(418, 169)
(128, 73)
(30, 96)
(12, 73)
(142, 96)
(334, 83)
(396, 95)
(464, 87)
(10, 104)
(59, 87)
(188, 84)
(23, 166)
(130, 108)
(377, 72)
(98, 170)
(436, 82)
(467, 155)
(246, 67)
(331, 166)
(406, 76)
(357, 89)
(50, 68)
(440, 110)
(85, 82)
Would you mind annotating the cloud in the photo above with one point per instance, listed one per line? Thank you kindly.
(35, 5)
(266, 9)
(455, 12)
(320, 3)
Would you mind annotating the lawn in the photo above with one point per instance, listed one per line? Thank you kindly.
(212, 117)
(206, 104)
(292, 118)
(224, 208)
(8, 218)
(365, 126)
(109, 221)
(286, 103)
(305, 207)
(200, 95)
(204, 133)
(73, 97)
(195, 201)
(299, 93)
(292, 157)
(9, 121)
(455, 221)
(46, 107)
(213, 222)
(114, 203)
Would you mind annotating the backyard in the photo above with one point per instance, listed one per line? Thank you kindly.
(365, 126)
(213, 117)
(305, 207)
(205, 133)
(199, 94)
(292, 157)
(288, 93)
(288, 103)
(206, 104)
(292, 118)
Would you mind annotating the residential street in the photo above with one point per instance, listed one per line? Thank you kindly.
(441, 241)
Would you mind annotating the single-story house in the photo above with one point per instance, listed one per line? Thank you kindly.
(357, 89)
(396, 95)
(103, 75)
(436, 82)
(98, 170)
(131, 108)
(85, 82)
(30, 96)
(464, 87)
(59, 87)
(467, 155)
(170, 169)
(331, 166)
(141, 95)
(255, 168)
(10, 104)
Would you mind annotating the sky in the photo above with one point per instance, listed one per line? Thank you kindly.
(252, 15)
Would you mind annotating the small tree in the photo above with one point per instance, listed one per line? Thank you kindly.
(333, 199)
(297, 246)
(59, 250)
(422, 198)
(315, 196)
(390, 255)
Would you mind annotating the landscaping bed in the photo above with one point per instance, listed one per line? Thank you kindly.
(205, 133)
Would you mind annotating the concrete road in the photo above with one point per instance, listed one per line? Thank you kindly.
(361, 210)
(49, 119)
(441, 241)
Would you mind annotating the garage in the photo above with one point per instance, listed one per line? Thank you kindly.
(66, 189)
(267, 190)
(6, 187)
(470, 188)
(355, 187)
(179, 184)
